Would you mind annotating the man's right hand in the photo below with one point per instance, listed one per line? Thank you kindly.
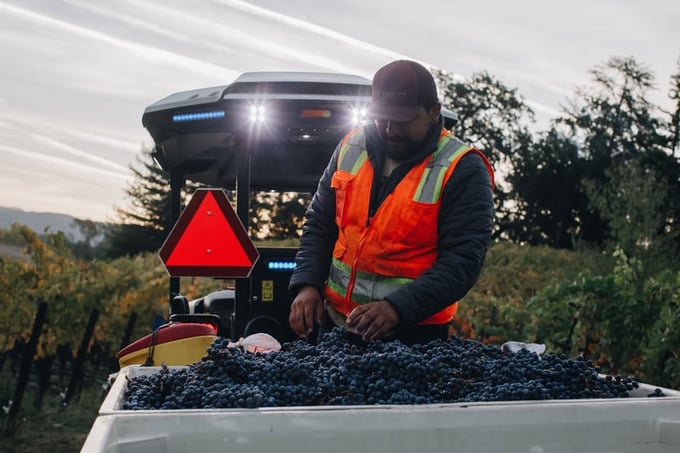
(305, 311)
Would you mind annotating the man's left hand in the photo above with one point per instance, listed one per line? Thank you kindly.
(373, 320)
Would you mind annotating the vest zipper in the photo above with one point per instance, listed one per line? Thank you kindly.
(353, 271)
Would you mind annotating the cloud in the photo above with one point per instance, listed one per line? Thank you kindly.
(114, 12)
(65, 164)
(21, 125)
(246, 33)
(83, 155)
(111, 142)
(310, 27)
(149, 52)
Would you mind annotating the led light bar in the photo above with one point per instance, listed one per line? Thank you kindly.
(198, 116)
(280, 265)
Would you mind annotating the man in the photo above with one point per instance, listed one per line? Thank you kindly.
(399, 226)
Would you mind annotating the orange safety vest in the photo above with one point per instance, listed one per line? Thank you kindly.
(373, 257)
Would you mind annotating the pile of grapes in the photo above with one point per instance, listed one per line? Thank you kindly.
(343, 371)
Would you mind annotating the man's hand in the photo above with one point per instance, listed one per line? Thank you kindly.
(373, 320)
(305, 311)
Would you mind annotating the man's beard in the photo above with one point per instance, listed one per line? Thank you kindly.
(401, 149)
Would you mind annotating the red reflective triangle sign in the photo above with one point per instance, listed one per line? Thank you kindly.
(209, 240)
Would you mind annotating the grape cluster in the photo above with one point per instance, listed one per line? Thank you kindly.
(343, 371)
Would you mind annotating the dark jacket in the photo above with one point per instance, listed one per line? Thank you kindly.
(465, 223)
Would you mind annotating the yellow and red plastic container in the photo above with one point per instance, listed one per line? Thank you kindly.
(174, 343)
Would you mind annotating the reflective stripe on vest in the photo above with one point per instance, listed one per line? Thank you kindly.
(430, 186)
(367, 287)
(353, 154)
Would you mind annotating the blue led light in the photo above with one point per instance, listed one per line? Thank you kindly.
(281, 265)
(197, 116)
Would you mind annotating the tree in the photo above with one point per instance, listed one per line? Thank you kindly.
(92, 234)
(614, 116)
(278, 215)
(145, 224)
(610, 121)
(495, 119)
(674, 126)
(634, 202)
(666, 163)
(614, 120)
(546, 210)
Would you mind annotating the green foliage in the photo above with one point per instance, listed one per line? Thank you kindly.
(579, 303)
(72, 288)
(661, 347)
(607, 319)
(576, 302)
(635, 203)
(495, 308)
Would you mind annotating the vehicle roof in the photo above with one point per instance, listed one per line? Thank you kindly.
(201, 132)
(298, 85)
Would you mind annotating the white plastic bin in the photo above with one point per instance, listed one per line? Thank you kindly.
(634, 425)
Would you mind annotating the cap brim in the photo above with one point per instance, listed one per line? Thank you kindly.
(392, 112)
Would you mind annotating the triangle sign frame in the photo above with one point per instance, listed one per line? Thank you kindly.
(209, 240)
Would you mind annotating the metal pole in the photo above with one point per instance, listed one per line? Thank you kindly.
(242, 285)
(176, 184)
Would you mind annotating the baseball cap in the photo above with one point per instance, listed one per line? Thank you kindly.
(399, 88)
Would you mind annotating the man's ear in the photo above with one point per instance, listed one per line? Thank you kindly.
(434, 113)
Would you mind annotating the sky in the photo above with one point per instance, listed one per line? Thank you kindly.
(76, 75)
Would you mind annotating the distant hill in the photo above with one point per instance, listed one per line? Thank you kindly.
(38, 221)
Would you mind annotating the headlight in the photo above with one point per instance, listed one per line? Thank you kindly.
(257, 113)
(358, 115)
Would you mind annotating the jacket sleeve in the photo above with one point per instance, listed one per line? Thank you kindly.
(465, 224)
(319, 233)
